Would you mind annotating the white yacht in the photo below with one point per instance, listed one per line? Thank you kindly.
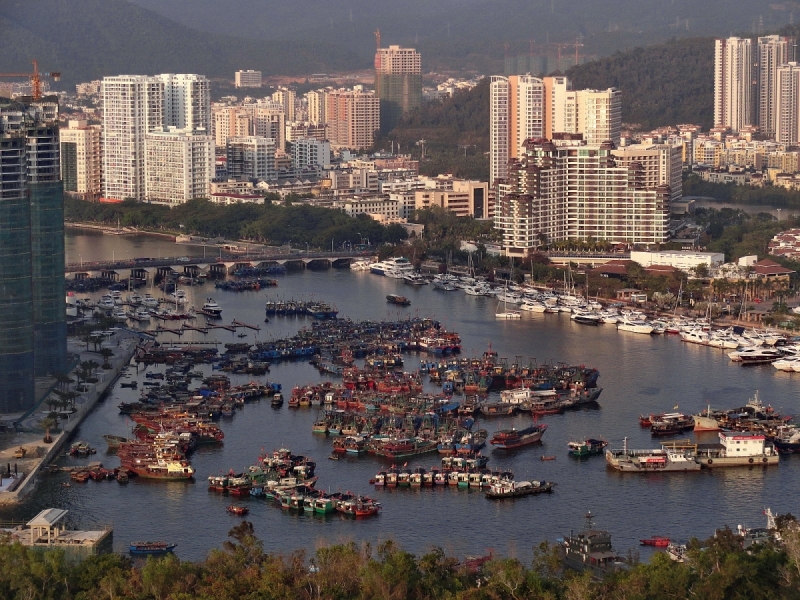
(360, 265)
(212, 308)
(106, 303)
(178, 297)
(149, 301)
(414, 279)
(533, 306)
(445, 282)
(396, 263)
(134, 298)
(634, 326)
(695, 336)
(119, 314)
(477, 290)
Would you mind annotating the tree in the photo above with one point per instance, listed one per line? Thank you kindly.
(106, 353)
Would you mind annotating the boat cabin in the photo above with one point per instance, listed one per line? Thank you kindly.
(743, 443)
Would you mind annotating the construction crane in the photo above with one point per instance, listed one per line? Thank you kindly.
(378, 38)
(35, 78)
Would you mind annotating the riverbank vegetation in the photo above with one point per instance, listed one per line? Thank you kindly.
(718, 569)
(768, 196)
(275, 222)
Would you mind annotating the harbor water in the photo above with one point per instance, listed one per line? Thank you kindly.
(640, 374)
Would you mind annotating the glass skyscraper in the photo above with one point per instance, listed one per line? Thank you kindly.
(32, 297)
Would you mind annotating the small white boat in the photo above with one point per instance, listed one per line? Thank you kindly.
(634, 326)
(149, 301)
(178, 297)
(414, 279)
(508, 315)
(212, 308)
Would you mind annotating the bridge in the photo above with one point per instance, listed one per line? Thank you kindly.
(223, 265)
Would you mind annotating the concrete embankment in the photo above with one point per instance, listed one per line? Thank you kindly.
(43, 453)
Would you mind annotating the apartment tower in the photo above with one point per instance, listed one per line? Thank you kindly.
(353, 117)
(773, 52)
(733, 83)
(787, 104)
(398, 83)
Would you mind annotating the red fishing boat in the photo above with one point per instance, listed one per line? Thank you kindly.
(239, 511)
(656, 541)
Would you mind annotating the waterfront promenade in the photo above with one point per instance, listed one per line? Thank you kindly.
(29, 436)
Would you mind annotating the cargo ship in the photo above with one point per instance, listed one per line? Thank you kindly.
(670, 457)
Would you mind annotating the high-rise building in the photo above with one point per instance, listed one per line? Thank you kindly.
(286, 98)
(308, 152)
(353, 117)
(787, 104)
(733, 83)
(398, 83)
(231, 121)
(269, 120)
(187, 101)
(773, 52)
(517, 114)
(33, 332)
(251, 157)
(661, 164)
(81, 159)
(578, 192)
(247, 79)
(522, 107)
(132, 106)
(316, 107)
(179, 165)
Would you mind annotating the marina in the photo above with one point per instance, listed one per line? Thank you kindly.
(640, 374)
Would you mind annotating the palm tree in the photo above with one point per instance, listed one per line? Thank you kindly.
(106, 353)
(49, 422)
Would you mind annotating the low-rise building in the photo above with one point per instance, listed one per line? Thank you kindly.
(247, 79)
(685, 260)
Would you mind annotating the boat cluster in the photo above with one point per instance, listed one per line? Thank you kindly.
(300, 308)
(245, 285)
(288, 480)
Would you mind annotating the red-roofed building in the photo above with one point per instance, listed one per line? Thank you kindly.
(769, 269)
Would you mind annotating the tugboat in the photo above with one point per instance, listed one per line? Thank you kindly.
(588, 447)
(590, 550)
(399, 300)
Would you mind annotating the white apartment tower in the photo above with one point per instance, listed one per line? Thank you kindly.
(81, 159)
(286, 98)
(316, 107)
(517, 109)
(773, 52)
(187, 101)
(787, 104)
(599, 115)
(733, 83)
(133, 105)
(247, 79)
(179, 165)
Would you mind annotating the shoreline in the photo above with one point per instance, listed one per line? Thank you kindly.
(111, 230)
(53, 450)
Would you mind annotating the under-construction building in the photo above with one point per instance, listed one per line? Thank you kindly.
(33, 334)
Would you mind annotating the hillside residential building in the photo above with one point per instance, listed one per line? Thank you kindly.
(187, 101)
(733, 83)
(773, 52)
(251, 158)
(179, 165)
(247, 79)
(578, 192)
(353, 118)
(787, 104)
(398, 83)
(524, 108)
(81, 159)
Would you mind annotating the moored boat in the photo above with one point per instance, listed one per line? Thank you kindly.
(151, 547)
(508, 439)
(518, 489)
(587, 447)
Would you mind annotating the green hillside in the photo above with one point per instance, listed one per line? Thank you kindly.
(661, 85)
(88, 39)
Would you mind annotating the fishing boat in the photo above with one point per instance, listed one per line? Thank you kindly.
(399, 300)
(517, 489)
(114, 441)
(151, 548)
(671, 424)
(587, 447)
(656, 541)
(239, 511)
(508, 439)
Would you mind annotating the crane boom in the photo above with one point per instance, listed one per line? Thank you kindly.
(35, 78)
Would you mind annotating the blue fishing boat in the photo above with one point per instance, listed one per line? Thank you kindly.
(151, 548)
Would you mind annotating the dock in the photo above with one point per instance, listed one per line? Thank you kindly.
(236, 323)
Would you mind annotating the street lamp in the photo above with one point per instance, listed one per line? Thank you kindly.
(779, 215)
(81, 257)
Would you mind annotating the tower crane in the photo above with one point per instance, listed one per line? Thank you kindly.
(35, 78)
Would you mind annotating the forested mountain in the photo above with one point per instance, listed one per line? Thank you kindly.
(471, 33)
(87, 39)
(661, 85)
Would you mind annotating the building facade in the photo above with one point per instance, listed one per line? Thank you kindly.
(251, 157)
(179, 165)
(398, 83)
(578, 192)
(33, 332)
(309, 152)
(661, 164)
(787, 104)
(81, 159)
(353, 118)
(247, 79)
(733, 83)
(773, 52)
(187, 101)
